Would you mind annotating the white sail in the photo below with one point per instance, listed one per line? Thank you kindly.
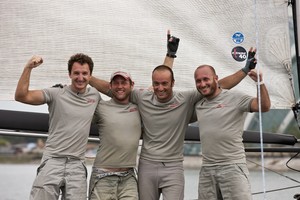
(131, 34)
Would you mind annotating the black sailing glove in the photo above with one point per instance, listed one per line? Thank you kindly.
(251, 62)
(58, 85)
(172, 46)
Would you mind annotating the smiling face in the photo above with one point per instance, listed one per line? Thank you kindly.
(162, 85)
(80, 76)
(121, 88)
(206, 81)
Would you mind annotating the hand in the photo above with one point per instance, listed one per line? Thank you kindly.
(251, 61)
(34, 62)
(173, 43)
(58, 85)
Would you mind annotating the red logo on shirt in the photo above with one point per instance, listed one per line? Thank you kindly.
(90, 100)
(220, 106)
(174, 105)
(133, 109)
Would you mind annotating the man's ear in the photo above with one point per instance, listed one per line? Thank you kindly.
(217, 81)
(217, 78)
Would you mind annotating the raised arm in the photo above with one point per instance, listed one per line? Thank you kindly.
(232, 80)
(22, 93)
(101, 85)
(265, 99)
(169, 61)
(172, 46)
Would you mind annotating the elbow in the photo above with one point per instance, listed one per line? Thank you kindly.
(266, 108)
(19, 97)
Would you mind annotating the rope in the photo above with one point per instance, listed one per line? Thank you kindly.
(290, 160)
(276, 172)
(280, 174)
(259, 103)
(276, 190)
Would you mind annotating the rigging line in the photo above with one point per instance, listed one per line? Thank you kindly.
(280, 174)
(259, 101)
(286, 164)
(276, 190)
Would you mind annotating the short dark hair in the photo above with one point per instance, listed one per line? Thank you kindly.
(164, 67)
(82, 59)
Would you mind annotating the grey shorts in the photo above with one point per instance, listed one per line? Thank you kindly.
(224, 182)
(64, 174)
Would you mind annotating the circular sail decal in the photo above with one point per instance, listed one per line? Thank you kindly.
(238, 37)
(239, 53)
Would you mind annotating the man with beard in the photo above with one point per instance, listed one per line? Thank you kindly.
(221, 114)
(119, 124)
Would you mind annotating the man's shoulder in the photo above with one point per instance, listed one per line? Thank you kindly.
(142, 92)
(186, 91)
(232, 92)
(188, 94)
(92, 90)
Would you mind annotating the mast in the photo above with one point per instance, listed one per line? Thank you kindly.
(296, 15)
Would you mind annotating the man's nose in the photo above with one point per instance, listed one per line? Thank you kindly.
(80, 77)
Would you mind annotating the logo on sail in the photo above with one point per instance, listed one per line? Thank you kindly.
(238, 37)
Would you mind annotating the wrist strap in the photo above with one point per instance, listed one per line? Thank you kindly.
(260, 83)
(171, 55)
